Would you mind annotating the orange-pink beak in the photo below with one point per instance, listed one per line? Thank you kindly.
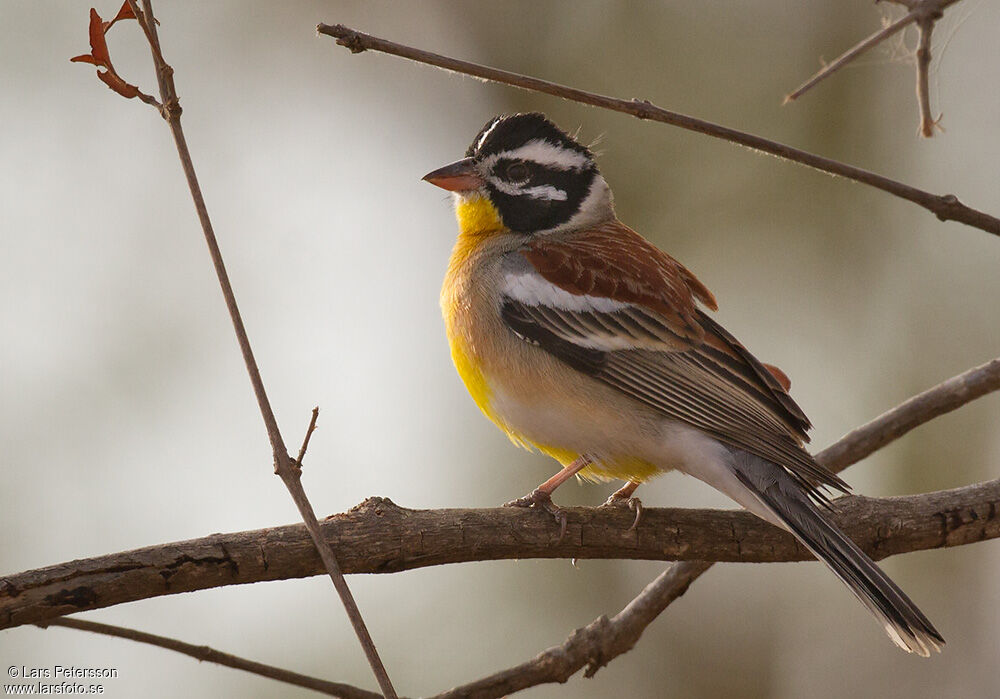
(459, 176)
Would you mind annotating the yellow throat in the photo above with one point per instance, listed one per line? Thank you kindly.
(477, 219)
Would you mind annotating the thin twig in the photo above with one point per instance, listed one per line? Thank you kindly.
(925, 13)
(305, 440)
(927, 122)
(210, 655)
(283, 464)
(852, 53)
(946, 207)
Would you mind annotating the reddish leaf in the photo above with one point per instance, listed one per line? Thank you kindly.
(124, 13)
(86, 58)
(118, 85)
(98, 46)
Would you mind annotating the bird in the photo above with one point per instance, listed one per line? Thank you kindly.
(580, 339)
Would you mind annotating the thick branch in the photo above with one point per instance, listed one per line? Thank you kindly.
(381, 537)
(946, 207)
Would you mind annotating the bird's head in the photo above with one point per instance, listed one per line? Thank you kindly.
(535, 176)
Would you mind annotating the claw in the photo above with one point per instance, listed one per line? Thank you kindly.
(540, 498)
(634, 504)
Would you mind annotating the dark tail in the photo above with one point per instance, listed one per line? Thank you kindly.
(785, 501)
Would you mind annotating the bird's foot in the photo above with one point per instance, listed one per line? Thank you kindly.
(621, 500)
(543, 499)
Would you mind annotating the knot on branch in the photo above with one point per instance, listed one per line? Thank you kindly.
(643, 108)
(349, 39)
(600, 636)
(947, 206)
(8, 589)
(375, 505)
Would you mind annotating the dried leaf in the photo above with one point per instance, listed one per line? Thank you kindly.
(86, 58)
(124, 13)
(98, 46)
(113, 81)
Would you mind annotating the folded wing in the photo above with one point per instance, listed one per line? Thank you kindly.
(618, 309)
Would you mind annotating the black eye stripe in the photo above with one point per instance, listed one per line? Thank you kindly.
(515, 170)
(537, 172)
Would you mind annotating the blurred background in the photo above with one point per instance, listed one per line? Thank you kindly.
(126, 417)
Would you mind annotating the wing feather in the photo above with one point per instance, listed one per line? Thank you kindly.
(630, 320)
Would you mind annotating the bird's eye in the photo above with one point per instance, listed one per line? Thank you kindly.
(517, 171)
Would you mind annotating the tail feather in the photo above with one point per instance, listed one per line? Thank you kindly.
(786, 501)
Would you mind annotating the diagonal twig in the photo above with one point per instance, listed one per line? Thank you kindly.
(946, 207)
(924, 13)
(284, 466)
(210, 655)
(592, 646)
(305, 440)
(852, 53)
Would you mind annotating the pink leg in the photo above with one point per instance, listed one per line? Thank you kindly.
(542, 495)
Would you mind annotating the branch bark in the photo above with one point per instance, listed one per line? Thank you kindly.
(380, 537)
(946, 207)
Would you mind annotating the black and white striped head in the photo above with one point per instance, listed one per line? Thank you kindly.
(537, 177)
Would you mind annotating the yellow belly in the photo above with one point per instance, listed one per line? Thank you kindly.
(618, 466)
(478, 221)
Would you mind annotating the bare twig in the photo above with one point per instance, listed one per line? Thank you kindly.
(925, 13)
(923, 407)
(592, 646)
(305, 440)
(927, 122)
(283, 465)
(852, 53)
(946, 207)
(207, 654)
